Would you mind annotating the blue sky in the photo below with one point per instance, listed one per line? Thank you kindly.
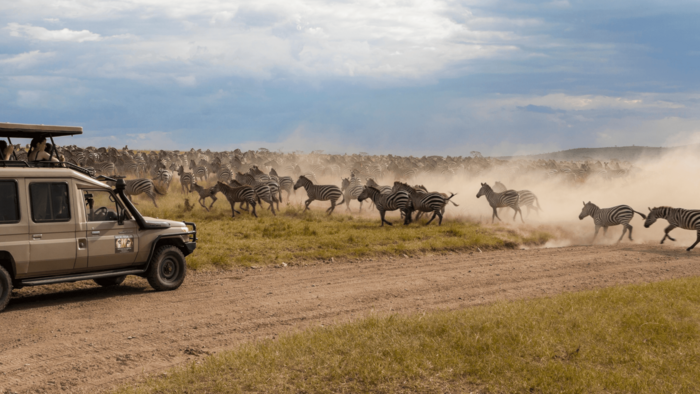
(406, 77)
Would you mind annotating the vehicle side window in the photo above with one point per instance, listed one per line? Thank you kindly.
(49, 202)
(104, 206)
(9, 202)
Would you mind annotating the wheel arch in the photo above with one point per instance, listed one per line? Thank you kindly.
(8, 263)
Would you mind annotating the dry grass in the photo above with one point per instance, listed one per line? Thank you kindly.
(294, 236)
(631, 339)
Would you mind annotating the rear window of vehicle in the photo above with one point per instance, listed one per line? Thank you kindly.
(9, 202)
(49, 202)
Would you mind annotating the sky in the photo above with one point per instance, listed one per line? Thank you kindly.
(403, 77)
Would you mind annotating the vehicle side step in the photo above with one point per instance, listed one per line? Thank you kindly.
(78, 277)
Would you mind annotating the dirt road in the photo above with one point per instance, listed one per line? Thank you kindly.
(82, 338)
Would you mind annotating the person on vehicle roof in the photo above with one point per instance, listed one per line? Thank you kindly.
(6, 150)
(37, 151)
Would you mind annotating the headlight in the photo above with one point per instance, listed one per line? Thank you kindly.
(184, 229)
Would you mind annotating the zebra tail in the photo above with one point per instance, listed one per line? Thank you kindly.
(640, 214)
(453, 203)
(342, 202)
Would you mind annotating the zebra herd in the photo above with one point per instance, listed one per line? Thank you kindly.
(240, 178)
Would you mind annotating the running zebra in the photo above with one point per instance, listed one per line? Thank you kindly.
(319, 192)
(164, 177)
(134, 187)
(266, 191)
(387, 202)
(186, 180)
(686, 219)
(508, 198)
(286, 182)
(423, 202)
(205, 193)
(200, 172)
(527, 198)
(606, 217)
(352, 189)
(236, 194)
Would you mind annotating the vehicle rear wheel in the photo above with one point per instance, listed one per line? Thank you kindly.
(168, 268)
(5, 288)
(113, 281)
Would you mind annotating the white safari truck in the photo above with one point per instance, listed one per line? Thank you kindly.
(60, 223)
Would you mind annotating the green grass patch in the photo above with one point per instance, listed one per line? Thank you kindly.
(295, 236)
(631, 339)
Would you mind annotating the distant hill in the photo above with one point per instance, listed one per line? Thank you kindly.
(629, 153)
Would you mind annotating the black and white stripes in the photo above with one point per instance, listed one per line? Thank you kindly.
(686, 219)
(387, 202)
(606, 217)
(508, 198)
(319, 192)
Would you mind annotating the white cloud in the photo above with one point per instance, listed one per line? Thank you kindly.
(44, 34)
(27, 59)
(567, 102)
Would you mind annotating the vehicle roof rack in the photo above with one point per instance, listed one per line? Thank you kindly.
(18, 130)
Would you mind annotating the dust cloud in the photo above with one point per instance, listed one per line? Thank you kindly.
(659, 181)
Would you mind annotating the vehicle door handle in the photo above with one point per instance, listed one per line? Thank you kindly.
(95, 233)
(36, 236)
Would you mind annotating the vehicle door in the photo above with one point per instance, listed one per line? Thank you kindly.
(52, 236)
(14, 223)
(110, 244)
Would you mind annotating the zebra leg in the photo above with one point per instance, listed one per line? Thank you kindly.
(213, 200)
(307, 204)
(516, 215)
(630, 232)
(381, 214)
(253, 206)
(153, 197)
(435, 213)
(272, 207)
(624, 230)
(203, 204)
(605, 231)
(597, 228)
(332, 208)
(696, 242)
(668, 230)
(233, 210)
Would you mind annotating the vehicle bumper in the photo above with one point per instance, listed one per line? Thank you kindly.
(190, 247)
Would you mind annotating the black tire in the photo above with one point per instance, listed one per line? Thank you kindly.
(168, 268)
(5, 288)
(114, 281)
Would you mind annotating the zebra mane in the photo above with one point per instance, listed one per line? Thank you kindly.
(373, 188)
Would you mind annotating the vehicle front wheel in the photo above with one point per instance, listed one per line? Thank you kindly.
(5, 288)
(168, 268)
(107, 282)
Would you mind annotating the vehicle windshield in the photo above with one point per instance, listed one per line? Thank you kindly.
(104, 207)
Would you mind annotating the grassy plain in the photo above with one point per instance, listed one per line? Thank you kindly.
(629, 339)
(294, 235)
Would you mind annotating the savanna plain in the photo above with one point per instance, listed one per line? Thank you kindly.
(306, 302)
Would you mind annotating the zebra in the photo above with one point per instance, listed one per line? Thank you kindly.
(508, 198)
(105, 167)
(686, 219)
(319, 192)
(164, 177)
(606, 217)
(236, 194)
(200, 172)
(423, 202)
(527, 198)
(186, 180)
(286, 183)
(387, 202)
(205, 193)
(134, 187)
(266, 191)
(352, 189)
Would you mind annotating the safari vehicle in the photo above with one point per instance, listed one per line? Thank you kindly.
(60, 223)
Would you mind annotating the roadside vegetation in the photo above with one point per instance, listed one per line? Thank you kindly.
(295, 236)
(630, 339)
